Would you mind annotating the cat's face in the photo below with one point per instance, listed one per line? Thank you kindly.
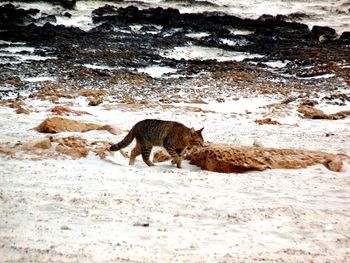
(197, 137)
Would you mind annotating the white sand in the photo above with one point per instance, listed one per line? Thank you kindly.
(89, 210)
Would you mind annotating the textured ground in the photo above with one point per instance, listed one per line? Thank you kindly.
(138, 64)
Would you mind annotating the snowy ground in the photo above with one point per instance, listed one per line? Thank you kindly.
(88, 210)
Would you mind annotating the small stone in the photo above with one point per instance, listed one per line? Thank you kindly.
(267, 121)
(142, 224)
(42, 143)
(95, 101)
(22, 110)
(65, 227)
(335, 165)
(161, 156)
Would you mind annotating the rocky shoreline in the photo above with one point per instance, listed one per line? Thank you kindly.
(117, 52)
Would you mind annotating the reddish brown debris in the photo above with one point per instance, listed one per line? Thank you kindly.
(267, 121)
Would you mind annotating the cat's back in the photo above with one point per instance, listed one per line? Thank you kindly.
(154, 124)
(153, 130)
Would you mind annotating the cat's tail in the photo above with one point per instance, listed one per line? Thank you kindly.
(123, 143)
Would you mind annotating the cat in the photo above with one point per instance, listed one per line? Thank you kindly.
(171, 135)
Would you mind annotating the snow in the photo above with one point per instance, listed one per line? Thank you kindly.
(206, 53)
(241, 105)
(92, 210)
(276, 64)
(156, 71)
(3, 42)
(17, 49)
(94, 66)
(234, 42)
(23, 57)
(20, 53)
(197, 35)
(241, 32)
(323, 76)
(38, 79)
(137, 28)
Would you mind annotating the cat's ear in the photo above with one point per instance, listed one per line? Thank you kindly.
(193, 131)
(200, 130)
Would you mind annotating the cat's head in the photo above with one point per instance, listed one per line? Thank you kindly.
(196, 137)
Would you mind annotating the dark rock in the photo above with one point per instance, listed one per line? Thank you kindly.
(192, 2)
(345, 36)
(338, 99)
(318, 31)
(69, 4)
(278, 28)
(289, 100)
(148, 28)
(47, 19)
(105, 10)
(265, 18)
(297, 16)
(40, 34)
(67, 14)
(10, 15)
(104, 28)
(308, 102)
(266, 27)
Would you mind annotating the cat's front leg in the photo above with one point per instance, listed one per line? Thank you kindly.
(176, 158)
(177, 161)
(176, 155)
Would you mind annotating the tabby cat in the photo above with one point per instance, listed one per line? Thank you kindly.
(173, 136)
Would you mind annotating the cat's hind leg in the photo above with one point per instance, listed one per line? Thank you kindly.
(134, 153)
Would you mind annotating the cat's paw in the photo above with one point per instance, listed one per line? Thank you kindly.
(150, 163)
(176, 160)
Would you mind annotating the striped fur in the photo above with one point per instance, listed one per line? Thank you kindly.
(173, 136)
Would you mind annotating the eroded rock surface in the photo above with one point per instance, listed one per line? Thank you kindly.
(58, 124)
(61, 110)
(73, 147)
(238, 159)
(267, 121)
(161, 156)
(313, 113)
(41, 143)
